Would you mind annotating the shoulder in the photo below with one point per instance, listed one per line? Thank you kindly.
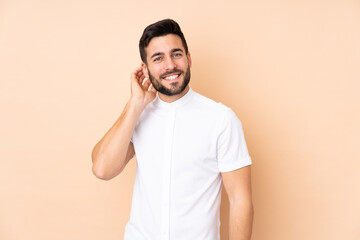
(207, 104)
(215, 113)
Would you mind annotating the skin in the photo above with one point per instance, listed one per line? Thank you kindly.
(111, 154)
(237, 184)
(166, 56)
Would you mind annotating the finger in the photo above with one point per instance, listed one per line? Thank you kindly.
(133, 76)
(146, 84)
(152, 89)
(142, 79)
(138, 70)
(135, 79)
(139, 73)
(139, 67)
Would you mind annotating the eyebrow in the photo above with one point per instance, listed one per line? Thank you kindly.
(177, 50)
(172, 51)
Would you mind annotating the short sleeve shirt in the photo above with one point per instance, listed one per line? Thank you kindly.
(181, 149)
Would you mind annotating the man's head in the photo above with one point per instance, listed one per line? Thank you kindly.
(165, 56)
(158, 29)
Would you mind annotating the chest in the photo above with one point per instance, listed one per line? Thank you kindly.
(188, 141)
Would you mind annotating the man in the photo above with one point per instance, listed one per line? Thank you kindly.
(186, 146)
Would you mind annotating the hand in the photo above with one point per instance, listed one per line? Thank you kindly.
(140, 91)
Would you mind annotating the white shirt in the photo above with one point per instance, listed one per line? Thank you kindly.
(181, 148)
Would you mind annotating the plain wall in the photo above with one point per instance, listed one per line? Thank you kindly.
(289, 70)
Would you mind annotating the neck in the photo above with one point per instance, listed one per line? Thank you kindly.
(173, 98)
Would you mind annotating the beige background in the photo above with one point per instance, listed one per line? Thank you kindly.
(289, 69)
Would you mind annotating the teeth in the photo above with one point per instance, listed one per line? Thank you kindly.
(171, 77)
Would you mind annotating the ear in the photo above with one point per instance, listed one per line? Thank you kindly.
(189, 59)
(145, 70)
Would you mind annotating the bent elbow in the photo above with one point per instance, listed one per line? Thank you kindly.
(99, 169)
(100, 173)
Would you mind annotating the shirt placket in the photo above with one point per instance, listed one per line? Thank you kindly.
(165, 228)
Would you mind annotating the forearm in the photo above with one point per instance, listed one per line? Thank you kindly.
(241, 220)
(110, 153)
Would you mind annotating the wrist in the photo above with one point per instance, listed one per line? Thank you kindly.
(135, 104)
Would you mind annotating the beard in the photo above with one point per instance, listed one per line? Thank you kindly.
(175, 87)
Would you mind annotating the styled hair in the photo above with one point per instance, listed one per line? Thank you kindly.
(158, 29)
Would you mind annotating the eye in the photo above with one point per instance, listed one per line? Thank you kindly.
(157, 59)
(177, 54)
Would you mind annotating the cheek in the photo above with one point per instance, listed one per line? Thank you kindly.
(156, 70)
(183, 64)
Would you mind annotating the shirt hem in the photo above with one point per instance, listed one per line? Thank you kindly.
(231, 167)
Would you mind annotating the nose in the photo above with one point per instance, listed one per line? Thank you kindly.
(170, 64)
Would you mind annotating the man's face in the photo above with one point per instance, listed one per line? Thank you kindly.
(168, 66)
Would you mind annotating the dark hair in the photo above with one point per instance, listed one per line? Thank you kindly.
(160, 28)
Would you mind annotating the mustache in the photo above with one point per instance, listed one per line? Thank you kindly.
(175, 70)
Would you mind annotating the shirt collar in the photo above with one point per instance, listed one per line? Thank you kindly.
(175, 104)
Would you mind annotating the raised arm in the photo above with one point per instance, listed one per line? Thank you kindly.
(111, 154)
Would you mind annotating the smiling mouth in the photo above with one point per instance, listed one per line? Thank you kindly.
(172, 77)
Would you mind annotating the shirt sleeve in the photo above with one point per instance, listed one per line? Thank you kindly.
(232, 152)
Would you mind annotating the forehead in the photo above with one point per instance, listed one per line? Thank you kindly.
(164, 44)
